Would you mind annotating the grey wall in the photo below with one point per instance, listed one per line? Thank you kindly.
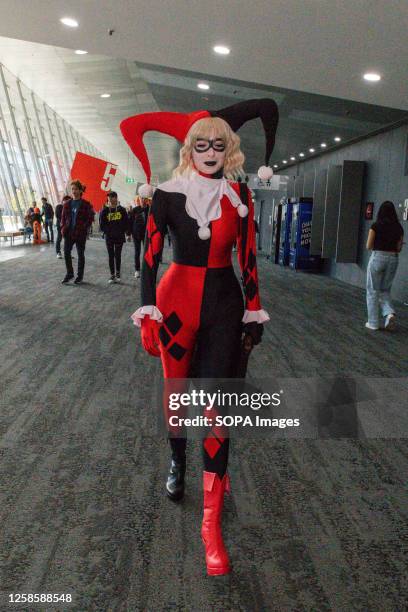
(385, 159)
(265, 219)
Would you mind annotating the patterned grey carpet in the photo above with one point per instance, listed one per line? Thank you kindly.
(311, 525)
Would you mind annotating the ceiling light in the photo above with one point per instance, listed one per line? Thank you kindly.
(284, 161)
(301, 154)
(372, 76)
(312, 150)
(275, 165)
(203, 86)
(68, 21)
(105, 95)
(222, 50)
(293, 158)
(81, 52)
(337, 139)
(323, 145)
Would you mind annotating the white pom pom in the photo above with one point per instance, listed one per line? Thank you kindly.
(265, 173)
(204, 233)
(242, 210)
(145, 191)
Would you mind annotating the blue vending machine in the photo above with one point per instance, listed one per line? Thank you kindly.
(299, 255)
(284, 238)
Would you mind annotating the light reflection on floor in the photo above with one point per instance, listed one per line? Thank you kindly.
(18, 249)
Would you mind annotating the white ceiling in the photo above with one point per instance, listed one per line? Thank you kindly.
(317, 46)
(72, 84)
(161, 48)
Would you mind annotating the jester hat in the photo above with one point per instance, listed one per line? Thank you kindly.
(178, 124)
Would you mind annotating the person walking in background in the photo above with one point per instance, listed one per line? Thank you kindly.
(48, 219)
(76, 219)
(28, 223)
(36, 220)
(114, 224)
(58, 215)
(385, 240)
(138, 220)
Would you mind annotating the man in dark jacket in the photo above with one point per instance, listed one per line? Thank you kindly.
(58, 215)
(47, 214)
(138, 219)
(76, 219)
(114, 224)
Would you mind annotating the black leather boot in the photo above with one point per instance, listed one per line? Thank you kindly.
(175, 479)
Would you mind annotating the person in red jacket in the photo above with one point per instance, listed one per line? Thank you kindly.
(76, 219)
(198, 310)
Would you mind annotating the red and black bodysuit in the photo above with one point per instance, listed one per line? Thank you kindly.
(199, 299)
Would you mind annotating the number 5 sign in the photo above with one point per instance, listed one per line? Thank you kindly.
(97, 174)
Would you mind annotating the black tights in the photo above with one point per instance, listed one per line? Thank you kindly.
(217, 352)
(218, 463)
(115, 256)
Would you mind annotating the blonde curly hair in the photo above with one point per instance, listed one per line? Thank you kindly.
(214, 127)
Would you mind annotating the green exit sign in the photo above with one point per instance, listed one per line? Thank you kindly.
(130, 180)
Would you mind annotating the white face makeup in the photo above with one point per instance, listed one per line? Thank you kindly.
(209, 154)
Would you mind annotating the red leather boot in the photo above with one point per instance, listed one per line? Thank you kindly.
(216, 556)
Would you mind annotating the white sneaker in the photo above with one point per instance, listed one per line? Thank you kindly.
(137, 274)
(112, 280)
(389, 322)
(368, 326)
(59, 256)
(118, 278)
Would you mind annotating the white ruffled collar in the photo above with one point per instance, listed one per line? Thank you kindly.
(203, 199)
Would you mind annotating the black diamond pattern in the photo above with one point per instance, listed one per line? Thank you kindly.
(251, 289)
(173, 323)
(177, 351)
(164, 335)
(251, 261)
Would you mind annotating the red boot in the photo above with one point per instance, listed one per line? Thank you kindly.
(216, 556)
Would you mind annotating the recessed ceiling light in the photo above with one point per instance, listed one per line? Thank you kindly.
(222, 50)
(372, 76)
(68, 21)
(293, 158)
(337, 139)
(81, 52)
(105, 95)
(203, 86)
(284, 161)
(301, 154)
(312, 150)
(323, 145)
(275, 165)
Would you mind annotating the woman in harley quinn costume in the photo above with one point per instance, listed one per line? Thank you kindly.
(198, 308)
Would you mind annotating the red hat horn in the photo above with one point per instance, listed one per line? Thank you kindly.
(172, 124)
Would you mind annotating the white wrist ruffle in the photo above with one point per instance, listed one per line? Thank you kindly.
(259, 316)
(153, 312)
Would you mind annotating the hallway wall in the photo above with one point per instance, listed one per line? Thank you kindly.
(385, 179)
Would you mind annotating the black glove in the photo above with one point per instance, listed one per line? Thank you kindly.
(255, 330)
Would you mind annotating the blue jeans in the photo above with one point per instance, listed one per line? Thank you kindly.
(48, 226)
(380, 274)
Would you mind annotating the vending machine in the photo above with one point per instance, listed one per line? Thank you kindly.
(299, 241)
(284, 238)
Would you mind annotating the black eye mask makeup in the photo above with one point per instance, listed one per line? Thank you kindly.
(202, 145)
